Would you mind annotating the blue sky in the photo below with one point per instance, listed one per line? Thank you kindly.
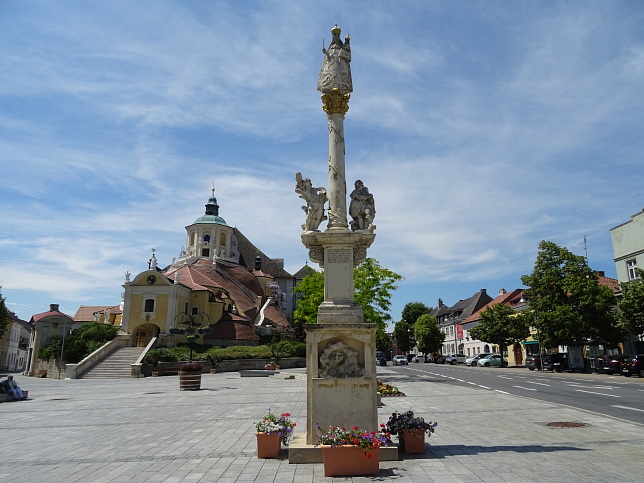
(481, 128)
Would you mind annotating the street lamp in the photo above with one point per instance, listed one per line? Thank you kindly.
(189, 320)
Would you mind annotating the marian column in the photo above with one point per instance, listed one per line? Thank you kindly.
(341, 370)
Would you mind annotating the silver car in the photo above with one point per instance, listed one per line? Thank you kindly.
(473, 360)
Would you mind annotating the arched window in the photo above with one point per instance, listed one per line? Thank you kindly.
(149, 305)
(206, 238)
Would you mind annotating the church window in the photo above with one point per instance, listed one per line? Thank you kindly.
(222, 239)
(149, 305)
(206, 239)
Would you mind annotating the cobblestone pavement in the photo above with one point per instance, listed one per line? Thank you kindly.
(136, 430)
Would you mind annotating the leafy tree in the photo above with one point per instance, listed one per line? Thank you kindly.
(631, 315)
(412, 311)
(501, 326)
(80, 343)
(567, 302)
(429, 337)
(383, 341)
(4, 315)
(404, 336)
(373, 286)
(404, 329)
(311, 295)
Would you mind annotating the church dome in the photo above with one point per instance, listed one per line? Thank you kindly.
(212, 213)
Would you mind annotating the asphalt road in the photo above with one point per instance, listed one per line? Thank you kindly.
(617, 396)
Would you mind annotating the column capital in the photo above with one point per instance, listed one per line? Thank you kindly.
(334, 102)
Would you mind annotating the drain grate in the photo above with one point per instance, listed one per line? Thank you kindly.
(566, 424)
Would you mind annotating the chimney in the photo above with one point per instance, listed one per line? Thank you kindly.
(483, 291)
(54, 307)
(502, 291)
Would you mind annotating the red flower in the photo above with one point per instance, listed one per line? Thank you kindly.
(355, 441)
(368, 455)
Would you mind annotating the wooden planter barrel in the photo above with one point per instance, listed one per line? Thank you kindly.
(349, 460)
(189, 381)
(412, 441)
(268, 445)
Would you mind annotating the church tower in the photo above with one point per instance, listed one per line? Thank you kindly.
(210, 237)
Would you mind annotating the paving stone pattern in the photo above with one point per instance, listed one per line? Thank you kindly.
(146, 430)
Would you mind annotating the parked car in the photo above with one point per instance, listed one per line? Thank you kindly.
(455, 359)
(473, 360)
(533, 361)
(492, 360)
(400, 360)
(381, 358)
(555, 362)
(439, 359)
(613, 364)
(417, 358)
(633, 365)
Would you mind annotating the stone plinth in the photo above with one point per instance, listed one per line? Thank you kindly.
(341, 377)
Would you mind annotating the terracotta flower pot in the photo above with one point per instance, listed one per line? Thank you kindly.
(349, 461)
(412, 441)
(189, 381)
(268, 445)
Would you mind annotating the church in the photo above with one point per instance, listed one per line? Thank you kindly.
(221, 289)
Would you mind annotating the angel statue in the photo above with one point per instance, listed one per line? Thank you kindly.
(315, 199)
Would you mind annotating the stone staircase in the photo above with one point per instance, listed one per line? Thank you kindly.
(115, 365)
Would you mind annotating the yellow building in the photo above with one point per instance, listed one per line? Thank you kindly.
(207, 291)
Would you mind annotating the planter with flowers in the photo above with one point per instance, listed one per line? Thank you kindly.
(350, 452)
(272, 431)
(410, 430)
(190, 376)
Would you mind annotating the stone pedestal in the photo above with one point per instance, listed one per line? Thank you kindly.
(341, 377)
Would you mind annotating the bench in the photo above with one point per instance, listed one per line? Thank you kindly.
(6, 396)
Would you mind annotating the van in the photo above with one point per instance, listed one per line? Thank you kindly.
(381, 358)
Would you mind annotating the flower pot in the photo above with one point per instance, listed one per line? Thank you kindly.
(349, 460)
(155, 372)
(270, 367)
(213, 370)
(189, 381)
(412, 441)
(268, 445)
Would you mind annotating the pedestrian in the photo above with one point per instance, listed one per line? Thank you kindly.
(11, 386)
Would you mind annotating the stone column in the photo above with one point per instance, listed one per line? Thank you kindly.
(336, 105)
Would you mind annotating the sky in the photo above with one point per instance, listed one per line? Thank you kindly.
(480, 127)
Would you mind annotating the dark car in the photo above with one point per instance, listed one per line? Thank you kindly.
(633, 365)
(555, 362)
(440, 359)
(533, 361)
(381, 358)
(613, 364)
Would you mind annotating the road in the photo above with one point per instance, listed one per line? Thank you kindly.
(617, 396)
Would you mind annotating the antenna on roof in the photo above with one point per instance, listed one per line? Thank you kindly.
(586, 248)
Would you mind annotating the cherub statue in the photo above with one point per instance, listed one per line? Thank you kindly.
(315, 199)
(362, 208)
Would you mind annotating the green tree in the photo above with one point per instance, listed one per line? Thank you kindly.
(310, 293)
(501, 326)
(4, 315)
(429, 337)
(412, 310)
(631, 315)
(373, 286)
(403, 334)
(567, 302)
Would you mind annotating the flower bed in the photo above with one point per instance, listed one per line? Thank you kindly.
(388, 390)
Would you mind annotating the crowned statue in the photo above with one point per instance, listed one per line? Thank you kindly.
(336, 71)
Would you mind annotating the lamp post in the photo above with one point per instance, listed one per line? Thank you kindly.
(189, 320)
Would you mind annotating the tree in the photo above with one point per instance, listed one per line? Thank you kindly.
(631, 315)
(412, 311)
(567, 302)
(4, 315)
(373, 286)
(501, 326)
(429, 337)
(403, 332)
(311, 295)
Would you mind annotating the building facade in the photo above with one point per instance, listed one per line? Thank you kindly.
(628, 247)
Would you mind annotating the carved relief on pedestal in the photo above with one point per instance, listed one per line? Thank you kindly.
(340, 360)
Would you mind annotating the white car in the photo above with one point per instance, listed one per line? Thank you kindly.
(398, 360)
(473, 360)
